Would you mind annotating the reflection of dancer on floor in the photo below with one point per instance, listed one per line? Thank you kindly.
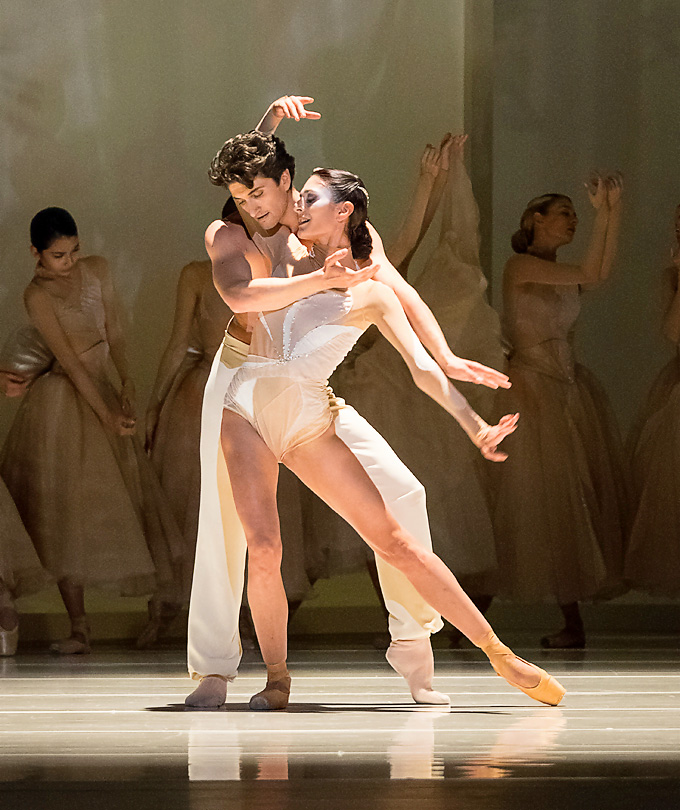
(653, 552)
(561, 499)
(268, 200)
(84, 488)
(277, 410)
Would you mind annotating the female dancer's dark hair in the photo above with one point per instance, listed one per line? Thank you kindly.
(348, 187)
(522, 239)
(244, 157)
(50, 224)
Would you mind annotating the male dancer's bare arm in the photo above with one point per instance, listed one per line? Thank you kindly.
(242, 274)
(426, 327)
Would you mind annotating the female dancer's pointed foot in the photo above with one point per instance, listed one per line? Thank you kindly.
(527, 677)
(211, 693)
(161, 616)
(276, 693)
(78, 643)
(565, 639)
(414, 661)
(9, 631)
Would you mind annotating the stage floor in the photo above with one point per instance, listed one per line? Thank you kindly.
(111, 730)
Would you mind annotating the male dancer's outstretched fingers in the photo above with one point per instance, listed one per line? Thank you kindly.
(470, 371)
(294, 107)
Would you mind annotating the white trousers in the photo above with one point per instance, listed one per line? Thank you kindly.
(214, 646)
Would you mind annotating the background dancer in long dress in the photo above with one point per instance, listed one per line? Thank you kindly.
(277, 411)
(560, 516)
(83, 485)
(653, 553)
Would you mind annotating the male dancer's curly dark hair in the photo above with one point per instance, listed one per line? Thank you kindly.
(345, 186)
(244, 157)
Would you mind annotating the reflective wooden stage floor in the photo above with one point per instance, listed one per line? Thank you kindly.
(111, 731)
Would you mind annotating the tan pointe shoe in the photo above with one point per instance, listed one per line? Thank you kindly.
(276, 693)
(548, 690)
(78, 642)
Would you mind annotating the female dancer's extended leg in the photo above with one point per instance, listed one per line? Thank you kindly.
(330, 470)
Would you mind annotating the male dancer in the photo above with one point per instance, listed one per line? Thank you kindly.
(259, 174)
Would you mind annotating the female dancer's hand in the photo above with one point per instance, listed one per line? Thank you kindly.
(12, 385)
(431, 161)
(454, 148)
(294, 107)
(491, 436)
(614, 183)
(151, 423)
(457, 368)
(120, 423)
(597, 190)
(128, 397)
(339, 275)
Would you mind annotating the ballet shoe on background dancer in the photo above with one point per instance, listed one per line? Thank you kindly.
(413, 660)
(9, 631)
(211, 693)
(161, 616)
(276, 693)
(78, 643)
(546, 690)
(565, 639)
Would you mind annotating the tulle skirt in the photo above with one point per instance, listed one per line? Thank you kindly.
(561, 499)
(90, 500)
(20, 569)
(653, 555)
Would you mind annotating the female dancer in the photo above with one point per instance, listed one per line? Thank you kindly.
(377, 381)
(277, 409)
(83, 486)
(559, 517)
(653, 553)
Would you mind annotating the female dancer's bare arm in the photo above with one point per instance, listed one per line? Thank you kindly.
(413, 228)
(186, 302)
(43, 317)
(114, 331)
(428, 376)
(426, 327)
(614, 191)
(671, 322)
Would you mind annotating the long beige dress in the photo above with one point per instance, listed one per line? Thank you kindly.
(378, 384)
(90, 500)
(20, 570)
(561, 511)
(175, 450)
(653, 554)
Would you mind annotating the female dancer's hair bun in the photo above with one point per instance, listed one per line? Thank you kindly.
(522, 239)
(348, 187)
(50, 224)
